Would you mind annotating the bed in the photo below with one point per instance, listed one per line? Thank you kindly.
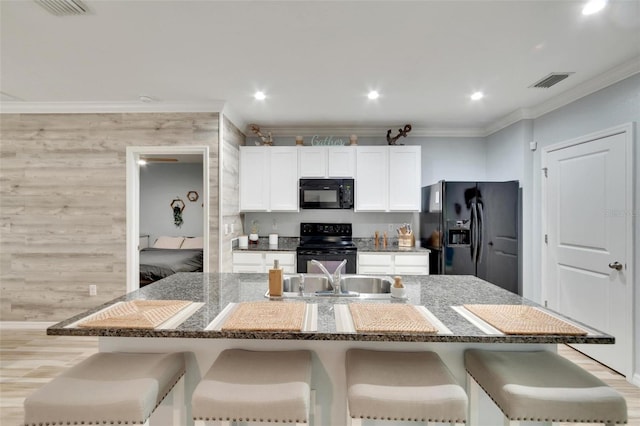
(168, 257)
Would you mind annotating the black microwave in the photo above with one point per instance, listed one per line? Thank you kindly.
(326, 193)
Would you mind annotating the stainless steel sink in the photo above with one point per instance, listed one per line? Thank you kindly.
(366, 284)
(312, 283)
(317, 285)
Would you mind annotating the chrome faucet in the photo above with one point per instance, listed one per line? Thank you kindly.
(334, 279)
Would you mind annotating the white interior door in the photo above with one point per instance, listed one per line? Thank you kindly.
(587, 195)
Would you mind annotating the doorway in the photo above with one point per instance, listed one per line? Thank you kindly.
(587, 270)
(175, 206)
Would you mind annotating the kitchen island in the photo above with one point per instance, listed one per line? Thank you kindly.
(327, 340)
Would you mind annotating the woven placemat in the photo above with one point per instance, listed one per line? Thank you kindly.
(266, 316)
(521, 319)
(136, 314)
(393, 318)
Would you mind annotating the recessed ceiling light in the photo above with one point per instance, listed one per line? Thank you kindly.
(142, 162)
(477, 96)
(593, 6)
(260, 96)
(373, 95)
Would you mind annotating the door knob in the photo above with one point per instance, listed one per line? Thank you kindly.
(616, 265)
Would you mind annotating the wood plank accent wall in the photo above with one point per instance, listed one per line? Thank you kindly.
(232, 138)
(63, 204)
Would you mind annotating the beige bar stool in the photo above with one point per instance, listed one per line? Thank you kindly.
(254, 386)
(110, 388)
(541, 386)
(410, 386)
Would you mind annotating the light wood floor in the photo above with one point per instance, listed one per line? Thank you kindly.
(29, 358)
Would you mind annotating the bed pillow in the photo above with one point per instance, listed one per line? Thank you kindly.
(168, 242)
(192, 243)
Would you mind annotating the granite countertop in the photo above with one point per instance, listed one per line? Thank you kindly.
(363, 245)
(438, 293)
(284, 244)
(368, 245)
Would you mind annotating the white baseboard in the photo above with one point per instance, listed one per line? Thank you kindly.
(25, 325)
(635, 380)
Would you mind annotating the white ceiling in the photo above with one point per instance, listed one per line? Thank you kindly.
(316, 60)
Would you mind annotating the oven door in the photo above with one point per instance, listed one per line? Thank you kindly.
(328, 260)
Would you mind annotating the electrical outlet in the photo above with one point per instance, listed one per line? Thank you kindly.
(226, 229)
(391, 227)
(93, 290)
(233, 228)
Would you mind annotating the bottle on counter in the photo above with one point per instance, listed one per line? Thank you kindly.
(275, 280)
(397, 289)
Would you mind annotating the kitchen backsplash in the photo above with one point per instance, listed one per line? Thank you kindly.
(364, 224)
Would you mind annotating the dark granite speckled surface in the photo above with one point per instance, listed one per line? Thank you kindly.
(284, 244)
(437, 293)
(363, 244)
(368, 245)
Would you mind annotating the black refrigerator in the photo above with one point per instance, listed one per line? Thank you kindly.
(473, 228)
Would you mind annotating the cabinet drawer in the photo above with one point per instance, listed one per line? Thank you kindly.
(248, 258)
(374, 259)
(412, 270)
(248, 268)
(412, 259)
(368, 269)
(284, 258)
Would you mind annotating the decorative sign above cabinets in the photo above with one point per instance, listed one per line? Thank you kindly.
(327, 140)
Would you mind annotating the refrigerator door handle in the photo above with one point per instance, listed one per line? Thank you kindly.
(480, 231)
(474, 233)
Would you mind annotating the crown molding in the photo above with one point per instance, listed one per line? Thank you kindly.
(107, 107)
(614, 75)
(508, 120)
(371, 131)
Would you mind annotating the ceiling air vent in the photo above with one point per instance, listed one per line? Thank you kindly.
(551, 80)
(64, 7)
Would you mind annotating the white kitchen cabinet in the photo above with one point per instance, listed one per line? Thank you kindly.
(388, 178)
(312, 161)
(268, 178)
(283, 178)
(341, 161)
(405, 178)
(262, 261)
(254, 178)
(327, 161)
(393, 263)
(372, 178)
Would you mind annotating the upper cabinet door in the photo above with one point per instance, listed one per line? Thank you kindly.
(405, 177)
(342, 161)
(283, 180)
(254, 178)
(312, 161)
(372, 178)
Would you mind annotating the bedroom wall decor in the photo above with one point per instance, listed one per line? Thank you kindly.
(193, 196)
(177, 205)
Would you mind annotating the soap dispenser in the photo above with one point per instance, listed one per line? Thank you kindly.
(398, 290)
(275, 280)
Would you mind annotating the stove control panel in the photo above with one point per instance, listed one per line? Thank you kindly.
(326, 229)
